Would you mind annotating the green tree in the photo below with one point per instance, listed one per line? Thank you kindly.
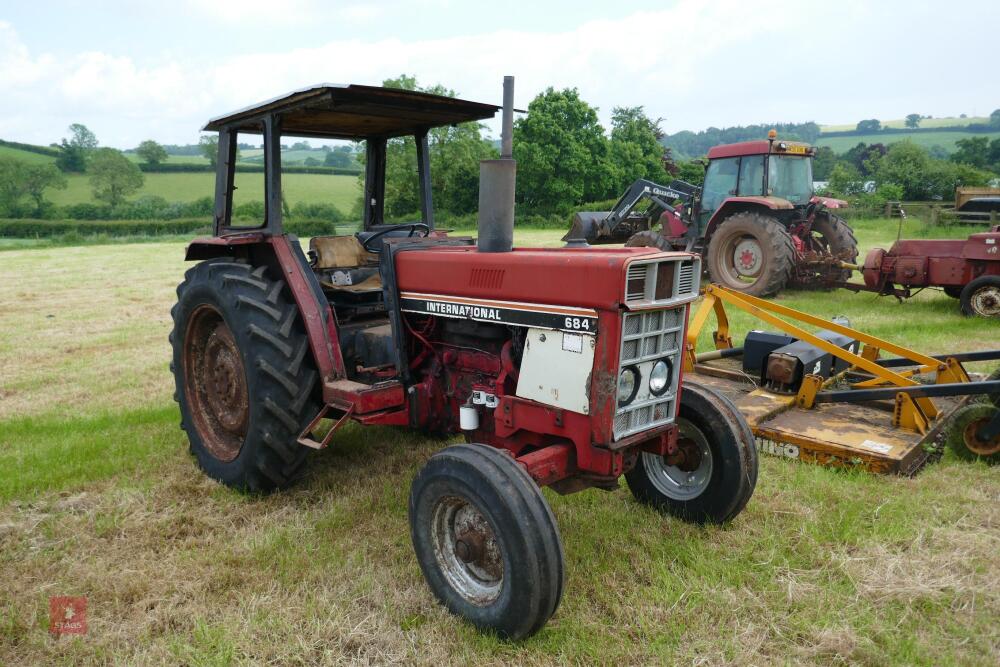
(151, 152)
(76, 150)
(974, 151)
(995, 118)
(113, 176)
(340, 156)
(921, 177)
(913, 120)
(209, 145)
(562, 153)
(635, 149)
(454, 153)
(12, 185)
(871, 125)
(845, 180)
(691, 171)
(823, 163)
(40, 177)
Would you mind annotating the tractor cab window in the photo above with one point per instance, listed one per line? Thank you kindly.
(790, 178)
(751, 176)
(720, 182)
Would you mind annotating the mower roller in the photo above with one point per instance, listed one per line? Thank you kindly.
(560, 367)
(828, 397)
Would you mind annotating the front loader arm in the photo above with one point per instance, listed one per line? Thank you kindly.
(598, 227)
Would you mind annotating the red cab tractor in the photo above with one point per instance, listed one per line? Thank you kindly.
(756, 220)
(968, 270)
(561, 367)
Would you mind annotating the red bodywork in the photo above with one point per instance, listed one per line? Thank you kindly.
(933, 262)
(557, 446)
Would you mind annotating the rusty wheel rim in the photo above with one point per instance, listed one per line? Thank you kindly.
(985, 302)
(215, 383)
(467, 551)
(977, 446)
(742, 260)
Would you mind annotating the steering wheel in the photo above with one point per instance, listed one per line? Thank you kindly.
(414, 227)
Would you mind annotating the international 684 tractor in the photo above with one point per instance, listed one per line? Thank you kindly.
(561, 367)
(756, 220)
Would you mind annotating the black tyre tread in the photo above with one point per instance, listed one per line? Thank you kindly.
(274, 349)
(953, 435)
(839, 236)
(954, 291)
(771, 234)
(739, 493)
(965, 298)
(504, 475)
(649, 239)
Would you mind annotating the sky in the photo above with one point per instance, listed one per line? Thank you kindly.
(138, 70)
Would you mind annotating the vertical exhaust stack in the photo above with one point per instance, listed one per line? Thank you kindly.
(496, 185)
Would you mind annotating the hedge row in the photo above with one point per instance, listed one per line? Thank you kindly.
(121, 228)
(31, 148)
(187, 167)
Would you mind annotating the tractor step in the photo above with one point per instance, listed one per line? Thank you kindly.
(306, 439)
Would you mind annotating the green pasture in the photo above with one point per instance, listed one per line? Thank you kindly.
(945, 140)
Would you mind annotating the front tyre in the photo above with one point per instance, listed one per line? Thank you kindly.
(712, 476)
(486, 540)
(243, 374)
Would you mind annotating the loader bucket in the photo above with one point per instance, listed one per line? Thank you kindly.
(587, 225)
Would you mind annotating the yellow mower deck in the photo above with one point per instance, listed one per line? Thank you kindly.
(886, 436)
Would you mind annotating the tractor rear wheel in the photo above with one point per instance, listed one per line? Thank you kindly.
(837, 238)
(713, 474)
(486, 540)
(981, 297)
(751, 253)
(243, 374)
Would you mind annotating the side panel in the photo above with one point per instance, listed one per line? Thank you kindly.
(555, 369)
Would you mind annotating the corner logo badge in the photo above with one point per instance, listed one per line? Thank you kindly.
(67, 615)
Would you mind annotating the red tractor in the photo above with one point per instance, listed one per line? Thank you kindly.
(756, 220)
(560, 367)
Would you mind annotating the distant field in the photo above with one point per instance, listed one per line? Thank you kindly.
(927, 139)
(173, 159)
(900, 122)
(27, 156)
(309, 188)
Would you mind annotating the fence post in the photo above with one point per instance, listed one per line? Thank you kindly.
(888, 209)
(934, 215)
(993, 217)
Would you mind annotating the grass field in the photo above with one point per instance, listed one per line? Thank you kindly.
(27, 156)
(99, 497)
(310, 188)
(925, 122)
(945, 140)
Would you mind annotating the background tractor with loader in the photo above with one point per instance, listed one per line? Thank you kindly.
(402, 325)
(756, 220)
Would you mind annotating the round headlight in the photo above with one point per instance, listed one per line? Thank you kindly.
(659, 377)
(628, 385)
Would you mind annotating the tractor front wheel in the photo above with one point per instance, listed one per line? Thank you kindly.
(243, 374)
(713, 474)
(981, 297)
(649, 239)
(486, 540)
(752, 253)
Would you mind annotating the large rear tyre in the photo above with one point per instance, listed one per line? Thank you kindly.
(649, 239)
(752, 253)
(981, 297)
(837, 238)
(713, 475)
(243, 374)
(486, 540)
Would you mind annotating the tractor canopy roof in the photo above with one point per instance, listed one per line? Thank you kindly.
(761, 147)
(354, 112)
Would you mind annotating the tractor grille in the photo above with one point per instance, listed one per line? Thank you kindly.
(662, 282)
(647, 337)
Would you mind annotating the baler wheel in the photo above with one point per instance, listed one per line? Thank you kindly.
(961, 434)
(981, 297)
(713, 474)
(243, 373)
(752, 253)
(486, 540)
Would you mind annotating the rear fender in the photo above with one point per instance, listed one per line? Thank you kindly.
(283, 256)
(734, 205)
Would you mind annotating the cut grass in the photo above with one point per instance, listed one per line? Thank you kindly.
(341, 191)
(945, 140)
(99, 497)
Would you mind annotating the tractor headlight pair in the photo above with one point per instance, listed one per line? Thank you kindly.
(629, 379)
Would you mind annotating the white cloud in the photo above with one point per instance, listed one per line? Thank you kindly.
(695, 64)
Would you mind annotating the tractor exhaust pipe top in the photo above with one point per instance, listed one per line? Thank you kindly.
(496, 185)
